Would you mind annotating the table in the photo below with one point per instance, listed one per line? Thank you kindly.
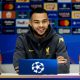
(39, 77)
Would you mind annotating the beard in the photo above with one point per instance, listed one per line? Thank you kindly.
(38, 35)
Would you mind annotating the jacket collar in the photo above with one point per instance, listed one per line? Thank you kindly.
(51, 32)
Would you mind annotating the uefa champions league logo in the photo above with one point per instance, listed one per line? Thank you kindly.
(37, 67)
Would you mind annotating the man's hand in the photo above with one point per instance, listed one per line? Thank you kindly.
(61, 59)
(17, 69)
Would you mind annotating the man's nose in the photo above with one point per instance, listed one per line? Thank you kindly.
(41, 24)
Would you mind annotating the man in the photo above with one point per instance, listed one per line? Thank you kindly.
(41, 42)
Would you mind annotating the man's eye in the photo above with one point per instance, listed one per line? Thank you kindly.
(44, 21)
(36, 22)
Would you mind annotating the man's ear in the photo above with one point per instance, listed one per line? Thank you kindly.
(48, 22)
(30, 23)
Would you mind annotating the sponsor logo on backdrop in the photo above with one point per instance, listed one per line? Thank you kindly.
(8, 30)
(8, 22)
(33, 6)
(76, 30)
(64, 23)
(50, 0)
(0, 14)
(8, 0)
(52, 14)
(22, 6)
(76, 6)
(64, 0)
(22, 22)
(64, 31)
(8, 14)
(0, 23)
(0, 30)
(22, 0)
(53, 23)
(50, 6)
(75, 22)
(64, 6)
(75, 0)
(36, 1)
(0, 6)
(22, 14)
(76, 14)
(21, 30)
(64, 15)
(8, 6)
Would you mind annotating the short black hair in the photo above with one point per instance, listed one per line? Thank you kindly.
(38, 10)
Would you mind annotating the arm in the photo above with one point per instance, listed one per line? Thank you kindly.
(62, 56)
(19, 53)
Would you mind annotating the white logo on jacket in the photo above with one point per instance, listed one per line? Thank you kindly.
(61, 40)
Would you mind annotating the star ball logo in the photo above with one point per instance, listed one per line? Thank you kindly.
(64, 6)
(37, 67)
(22, 14)
(64, 23)
(8, 6)
(50, 6)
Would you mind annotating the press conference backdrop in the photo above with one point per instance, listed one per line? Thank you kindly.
(64, 16)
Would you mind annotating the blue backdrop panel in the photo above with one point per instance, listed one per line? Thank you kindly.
(63, 16)
(7, 46)
(8, 42)
(73, 47)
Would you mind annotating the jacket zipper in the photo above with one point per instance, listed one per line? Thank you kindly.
(40, 52)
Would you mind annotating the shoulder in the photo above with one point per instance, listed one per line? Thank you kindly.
(55, 34)
(58, 38)
(23, 34)
(21, 37)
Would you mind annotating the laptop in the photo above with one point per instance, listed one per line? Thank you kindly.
(37, 66)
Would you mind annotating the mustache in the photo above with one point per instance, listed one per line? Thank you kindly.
(39, 34)
(34, 32)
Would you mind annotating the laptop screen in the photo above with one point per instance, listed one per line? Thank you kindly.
(37, 66)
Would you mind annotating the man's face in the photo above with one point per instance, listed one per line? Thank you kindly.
(39, 23)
